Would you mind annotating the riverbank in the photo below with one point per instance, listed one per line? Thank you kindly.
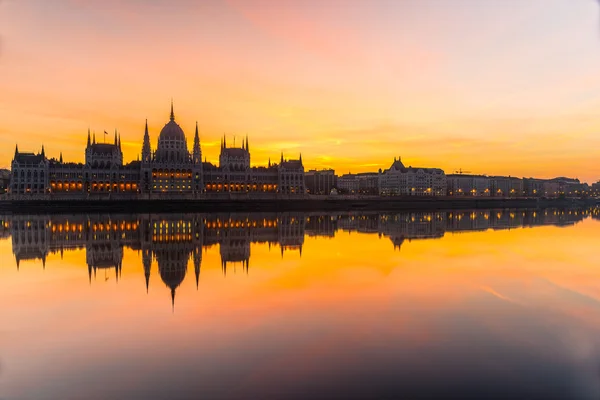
(280, 205)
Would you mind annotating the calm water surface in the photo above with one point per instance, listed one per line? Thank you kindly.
(485, 304)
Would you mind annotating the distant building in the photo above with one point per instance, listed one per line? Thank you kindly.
(171, 170)
(348, 184)
(4, 180)
(29, 173)
(368, 183)
(468, 185)
(399, 180)
(533, 187)
(506, 186)
(320, 182)
(566, 187)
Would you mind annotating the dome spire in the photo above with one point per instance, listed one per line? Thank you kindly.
(172, 113)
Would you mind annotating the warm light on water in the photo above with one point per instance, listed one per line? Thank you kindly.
(484, 304)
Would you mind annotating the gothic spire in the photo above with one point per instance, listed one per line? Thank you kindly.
(224, 141)
(43, 152)
(115, 136)
(146, 150)
(119, 141)
(89, 140)
(172, 113)
(282, 156)
(16, 149)
(269, 162)
(94, 142)
(61, 159)
(247, 145)
(197, 150)
(197, 274)
(300, 158)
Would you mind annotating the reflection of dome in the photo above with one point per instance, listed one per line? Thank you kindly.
(172, 266)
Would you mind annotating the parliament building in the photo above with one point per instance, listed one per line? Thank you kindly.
(168, 171)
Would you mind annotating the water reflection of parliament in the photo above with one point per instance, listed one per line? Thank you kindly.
(173, 239)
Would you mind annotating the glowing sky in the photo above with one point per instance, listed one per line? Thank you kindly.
(489, 86)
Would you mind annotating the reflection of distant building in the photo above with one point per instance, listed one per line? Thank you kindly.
(291, 232)
(30, 238)
(235, 245)
(321, 225)
(4, 227)
(171, 240)
(415, 225)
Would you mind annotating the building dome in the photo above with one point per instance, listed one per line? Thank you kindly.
(172, 131)
(172, 145)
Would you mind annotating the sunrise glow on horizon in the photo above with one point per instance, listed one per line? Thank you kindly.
(494, 87)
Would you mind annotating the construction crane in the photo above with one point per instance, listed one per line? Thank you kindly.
(460, 171)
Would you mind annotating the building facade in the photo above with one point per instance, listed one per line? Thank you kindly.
(468, 185)
(399, 180)
(4, 180)
(348, 184)
(506, 186)
(320, 182)
(171, 170)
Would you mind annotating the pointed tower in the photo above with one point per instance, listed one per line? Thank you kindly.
(146, 150)
(115, 137)
(173, 300)
(119, 141)
(197, 150)
(43, 152)
(147, 262)
(94, 142)
(89, 140)
(300, 158)
(224, 141)
(172, 118)
(282, 157)
(269, 162)
(61, 159)
(247, 145)
(197, 262)
(16, 150)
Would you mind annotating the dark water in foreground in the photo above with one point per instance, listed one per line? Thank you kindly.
(484, 304)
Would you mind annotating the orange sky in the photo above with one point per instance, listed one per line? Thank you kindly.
(491, 86)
